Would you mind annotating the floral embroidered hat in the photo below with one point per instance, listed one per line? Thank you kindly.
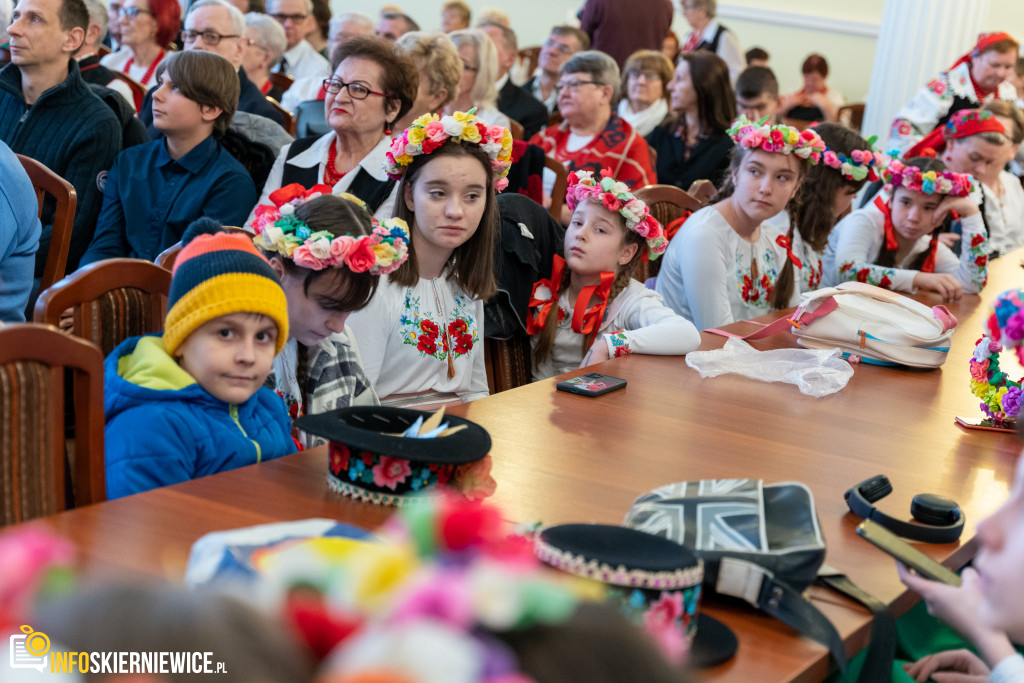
(279, 231)
(369, 459)
(657, 581)
(429, 132)
(615, 196)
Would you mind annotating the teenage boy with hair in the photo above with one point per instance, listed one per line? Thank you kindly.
(155, 191)
(198, 387)
(49, 113)
(757, 94)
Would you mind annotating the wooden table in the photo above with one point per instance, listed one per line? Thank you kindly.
(561, 458)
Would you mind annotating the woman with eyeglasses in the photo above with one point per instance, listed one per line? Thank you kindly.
(265, 43)
(645, 86)
(148, 27)
(479, 76)
(591, 135)
(373, 86)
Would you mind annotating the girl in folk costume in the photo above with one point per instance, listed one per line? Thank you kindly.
(894, 242)
(825, 196)
(329, 252)
(975, 79)
(975, 141)
(592, 309)
(727, 263)
(423, 331)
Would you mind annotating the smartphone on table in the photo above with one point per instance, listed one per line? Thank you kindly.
(591, 384)
(895, 546)
(982, 424)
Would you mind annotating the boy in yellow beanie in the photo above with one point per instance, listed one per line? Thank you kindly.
(191, 402)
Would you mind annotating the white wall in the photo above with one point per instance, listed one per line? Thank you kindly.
(845, 32)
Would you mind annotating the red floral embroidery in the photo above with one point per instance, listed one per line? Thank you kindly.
(981, 260)
(427, 344)
(430, 327)
(862, 275)
(937, 86)
(340, 455)
(885, 282)
(977, 240)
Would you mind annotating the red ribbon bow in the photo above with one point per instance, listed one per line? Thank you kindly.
(290, 192)
(784, 242)
(587, 320)
(535, 321)
(890, 231)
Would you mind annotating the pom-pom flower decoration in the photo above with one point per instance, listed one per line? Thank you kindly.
(782, 139)
(861, 164)
(615, 196)
(429, 132)
(1000, 396)
(899, 174)
(278, 230)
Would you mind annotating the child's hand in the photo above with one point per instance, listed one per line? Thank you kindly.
(964, 206)
(944, 284)
(952, 665)
(949, 238)
(67, 320)
(598, 353)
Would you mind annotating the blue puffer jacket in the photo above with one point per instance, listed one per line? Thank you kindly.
(163, 428)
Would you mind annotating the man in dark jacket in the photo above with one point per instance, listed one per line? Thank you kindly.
(514, 102)
(48, 112)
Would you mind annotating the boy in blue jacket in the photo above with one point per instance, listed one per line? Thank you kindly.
(191, 402)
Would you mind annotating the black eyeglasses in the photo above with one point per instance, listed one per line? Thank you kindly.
(296, 18)
(355, 90)
(132, 12)
(573, 86)
(211, 38)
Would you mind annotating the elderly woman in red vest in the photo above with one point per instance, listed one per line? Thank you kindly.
(974, 80)
(592, 136)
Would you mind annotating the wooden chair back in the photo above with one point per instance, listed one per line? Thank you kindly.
(851, 115)
(102, 50)
(291, 124)
(167, 257)
(509, 363)
(666, 203)
(138, 90)
(516, 129)
(558, 190)
(530, 57)
(281, 81)
(33, 469)
(110, 300)
(46, 182)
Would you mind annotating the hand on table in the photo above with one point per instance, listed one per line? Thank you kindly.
(951, 666)
(943, 284)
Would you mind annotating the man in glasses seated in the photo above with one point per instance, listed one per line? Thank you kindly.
(563, 43)
(219, 27)
(301, 60)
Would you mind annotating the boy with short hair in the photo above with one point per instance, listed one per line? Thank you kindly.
(191, 402)
(757, 94)
(154, 191)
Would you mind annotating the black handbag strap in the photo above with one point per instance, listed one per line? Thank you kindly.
(881, 650)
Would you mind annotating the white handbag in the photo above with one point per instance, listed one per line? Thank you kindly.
(874, 324)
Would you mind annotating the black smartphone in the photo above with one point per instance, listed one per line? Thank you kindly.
(895, 546)
(591, 384)
(982, 424)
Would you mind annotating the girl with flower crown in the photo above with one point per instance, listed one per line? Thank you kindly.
(824, 197)
(591, 309)
(329, 252)
(422, 333)
(894, 242)
(724, 263)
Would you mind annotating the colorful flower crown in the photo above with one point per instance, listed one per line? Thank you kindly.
(429, 132)
(431, 591)
(806, 144)
(1000, 396)
(859, 165)
(279, 230)
(615, 196)
(898, 174)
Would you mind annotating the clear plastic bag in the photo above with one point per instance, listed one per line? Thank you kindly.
(816, 372)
